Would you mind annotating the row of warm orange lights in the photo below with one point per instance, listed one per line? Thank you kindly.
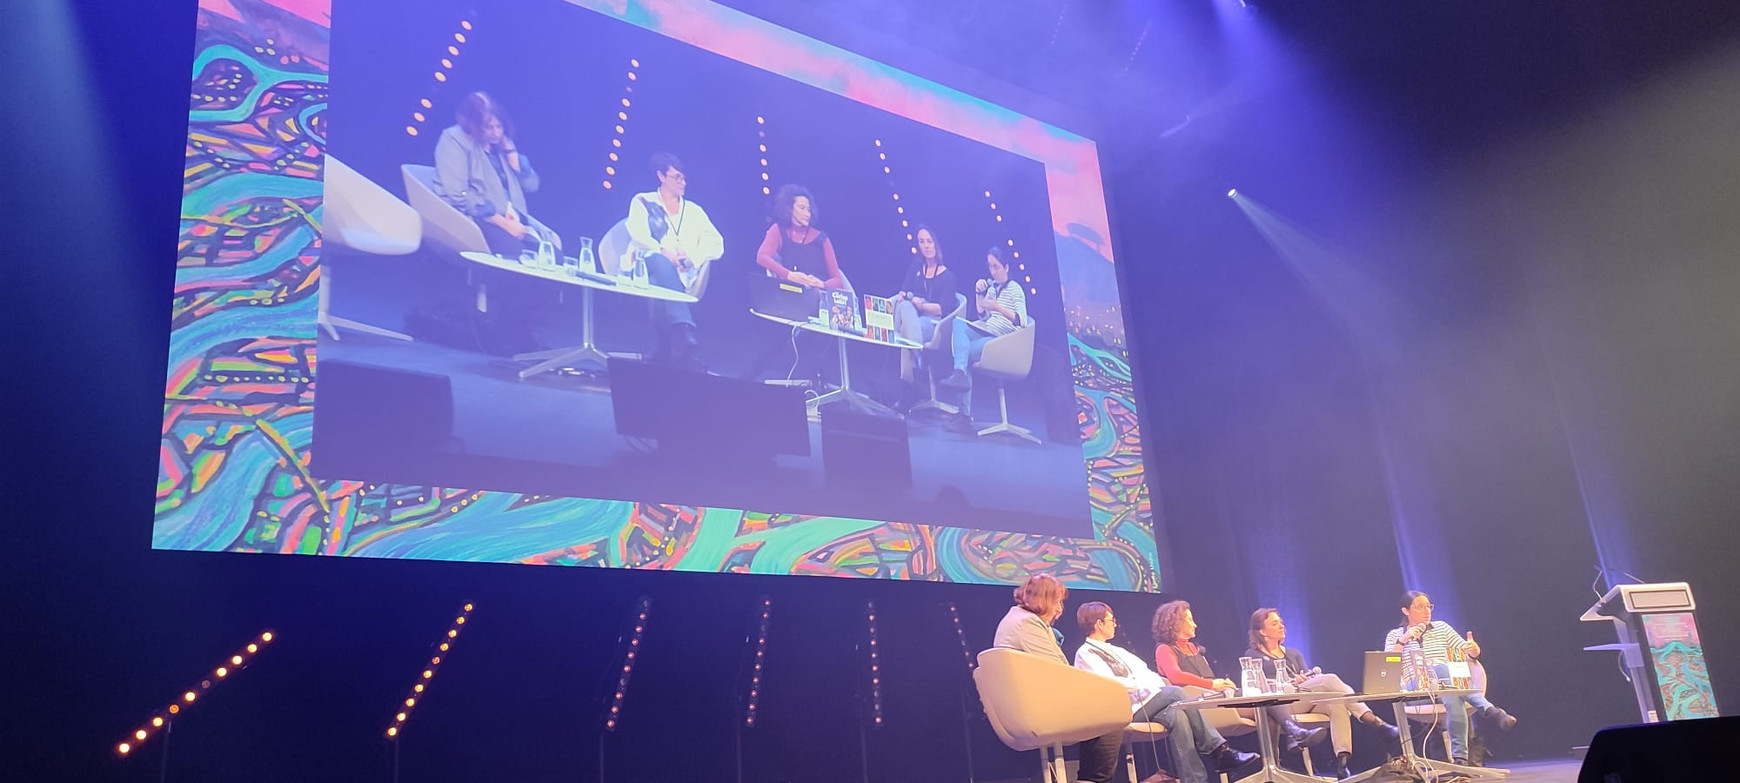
(760, 658)
(875, 667)
(1014, 254)
(642, 606)
(164, 716)
(422, 683)
(440, 75)
(615, 154)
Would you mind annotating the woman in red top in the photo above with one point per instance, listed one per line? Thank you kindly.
(1185, 663)
(794, 249)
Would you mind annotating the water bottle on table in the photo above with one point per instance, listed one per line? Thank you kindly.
(1250, 677)
(588, 262)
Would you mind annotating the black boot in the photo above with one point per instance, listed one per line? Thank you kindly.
(1228, 760)
(1298, 737)
(1390, 732)
(1503, 720)
(1341, 772)
(685, 348)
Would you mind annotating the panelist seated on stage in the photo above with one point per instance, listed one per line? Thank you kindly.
(481, 172)
(1002, 306)
(1267, 632)
(793, 249)
(927, 292)
(1027, 627)
(1152, 698)
(673, 237)
(1436, 639)
(1183, 662)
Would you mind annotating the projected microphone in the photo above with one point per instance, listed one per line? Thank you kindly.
(1416, 633)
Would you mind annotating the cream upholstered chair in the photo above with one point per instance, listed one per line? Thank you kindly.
(442, 224)
(1039, 704)
(1008, 358)
(1140, 733)
(1229, 721)
(939, 340)
(360, 215)
(1433, 713)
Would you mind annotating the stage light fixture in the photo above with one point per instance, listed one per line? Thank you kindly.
(426, 103)
(460, 37)
(428, 674)
(875, 666)
(1234, 193)
(465, 24)
(446, 63)
(440, 77)
(766, 190)
(160, 720)
(453, 50)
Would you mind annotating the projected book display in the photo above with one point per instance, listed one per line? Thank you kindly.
(416, 239)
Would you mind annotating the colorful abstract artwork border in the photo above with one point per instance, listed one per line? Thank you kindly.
(239, 403)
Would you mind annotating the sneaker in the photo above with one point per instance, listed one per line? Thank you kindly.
(956, 380)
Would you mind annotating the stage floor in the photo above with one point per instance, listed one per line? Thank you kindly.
(1558, 771)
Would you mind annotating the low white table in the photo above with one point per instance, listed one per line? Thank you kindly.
(586, 351)
(1271, 769)
(845, 393)
(1427, 768)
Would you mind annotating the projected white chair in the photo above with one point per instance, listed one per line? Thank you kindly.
(446, 227)
(613, 247)
(360, 215)
(1433, 714)
(1007, 358)
(1038, 704)
(945, 328)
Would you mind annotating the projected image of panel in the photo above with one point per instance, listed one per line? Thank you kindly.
(659, 285)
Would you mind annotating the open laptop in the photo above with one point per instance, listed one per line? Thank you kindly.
(780, 299)
(1383, 672)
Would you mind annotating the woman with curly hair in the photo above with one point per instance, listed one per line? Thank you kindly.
(1183, 662)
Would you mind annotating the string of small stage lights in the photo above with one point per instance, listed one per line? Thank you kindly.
(899, 208)
(761, 147)
(422, 683)
(630, 654)
(1014, 254)
(162, 720)
(764, 613)
(875, 666)
(447, 60)
(613, 156)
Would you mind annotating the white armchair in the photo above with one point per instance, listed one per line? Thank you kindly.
(613, 250)
(1039, 704)
(360, 215)
(1008, 358)
(939, 341)
(446, 226)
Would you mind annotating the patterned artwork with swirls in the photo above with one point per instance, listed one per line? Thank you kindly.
(240, 393)
(1677, 653)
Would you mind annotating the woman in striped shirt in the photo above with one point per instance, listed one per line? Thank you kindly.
(1436, 639)
(1002, 309)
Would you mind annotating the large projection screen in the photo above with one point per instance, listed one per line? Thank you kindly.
(314, 205)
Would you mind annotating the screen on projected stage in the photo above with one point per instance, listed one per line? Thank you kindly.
(638, 284)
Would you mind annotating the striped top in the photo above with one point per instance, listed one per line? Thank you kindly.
(1437, 643)
(1009, 295)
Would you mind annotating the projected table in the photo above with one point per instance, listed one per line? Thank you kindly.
(1271, 769)
(586, 351)
(1427, 769)
(845, 393)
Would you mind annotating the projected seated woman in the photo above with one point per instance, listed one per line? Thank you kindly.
(482, 173)
(1002, 306)
(1185, 663)
(1267, 633)
(794, 249)
(927, 293)
(1436, 639)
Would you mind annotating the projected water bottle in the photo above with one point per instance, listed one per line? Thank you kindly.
(587, 261)
(1280, 683)
(1250, 677)
(637, 273)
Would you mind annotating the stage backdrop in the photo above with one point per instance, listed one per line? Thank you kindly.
(234, 463)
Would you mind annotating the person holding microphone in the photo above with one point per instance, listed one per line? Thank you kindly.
(1435, 639)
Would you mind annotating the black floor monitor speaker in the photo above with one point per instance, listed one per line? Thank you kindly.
(1660, 752)
(865, 450)
(365, 409)
(706, 416)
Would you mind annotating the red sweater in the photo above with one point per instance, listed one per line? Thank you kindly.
(1166, 662)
